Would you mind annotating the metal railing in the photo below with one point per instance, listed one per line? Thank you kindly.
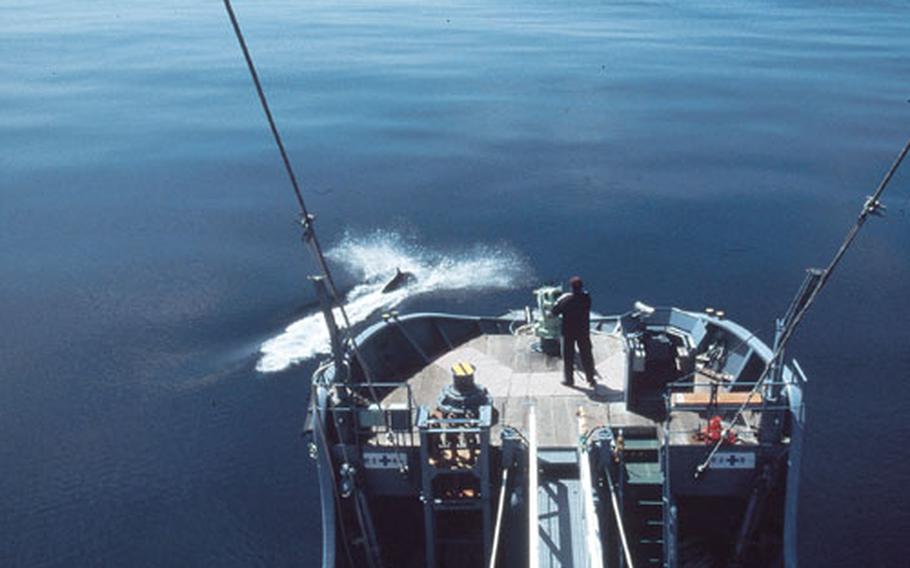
(386, 426)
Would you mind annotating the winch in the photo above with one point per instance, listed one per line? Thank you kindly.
(463, 397)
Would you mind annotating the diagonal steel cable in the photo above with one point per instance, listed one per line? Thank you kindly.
(872, 206)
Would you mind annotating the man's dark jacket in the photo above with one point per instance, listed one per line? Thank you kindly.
(575, 309)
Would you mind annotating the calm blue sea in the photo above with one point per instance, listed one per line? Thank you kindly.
(698, 153)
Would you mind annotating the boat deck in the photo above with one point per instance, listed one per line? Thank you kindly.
(560, 504)
(517, 376)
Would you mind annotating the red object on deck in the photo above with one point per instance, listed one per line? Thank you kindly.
(714, 430)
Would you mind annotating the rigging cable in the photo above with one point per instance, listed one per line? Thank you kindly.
(306, 219)
(309, 231)
(872, 206)
(319, 427)
(309, 236)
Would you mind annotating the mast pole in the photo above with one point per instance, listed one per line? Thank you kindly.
(872, 206)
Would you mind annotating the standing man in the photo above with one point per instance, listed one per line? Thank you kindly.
(575, 309)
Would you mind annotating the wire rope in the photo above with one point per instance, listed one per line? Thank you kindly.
(307, 218)
(872, 206)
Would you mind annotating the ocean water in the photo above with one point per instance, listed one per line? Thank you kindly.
(157, 325)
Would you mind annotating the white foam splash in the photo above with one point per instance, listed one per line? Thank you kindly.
(373, 260)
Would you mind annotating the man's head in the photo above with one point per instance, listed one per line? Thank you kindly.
(576, 284)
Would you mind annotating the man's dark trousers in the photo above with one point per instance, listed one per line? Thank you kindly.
(583, 340)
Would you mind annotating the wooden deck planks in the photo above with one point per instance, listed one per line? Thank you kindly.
(516, 377)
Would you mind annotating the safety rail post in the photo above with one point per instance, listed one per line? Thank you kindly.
(501, 503)
(592, 523)
(669, 507)
(533, 515)
(600, 437)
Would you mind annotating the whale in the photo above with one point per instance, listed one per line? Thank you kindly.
(400, 280)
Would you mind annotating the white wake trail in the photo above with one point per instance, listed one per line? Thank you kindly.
(373, 261)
